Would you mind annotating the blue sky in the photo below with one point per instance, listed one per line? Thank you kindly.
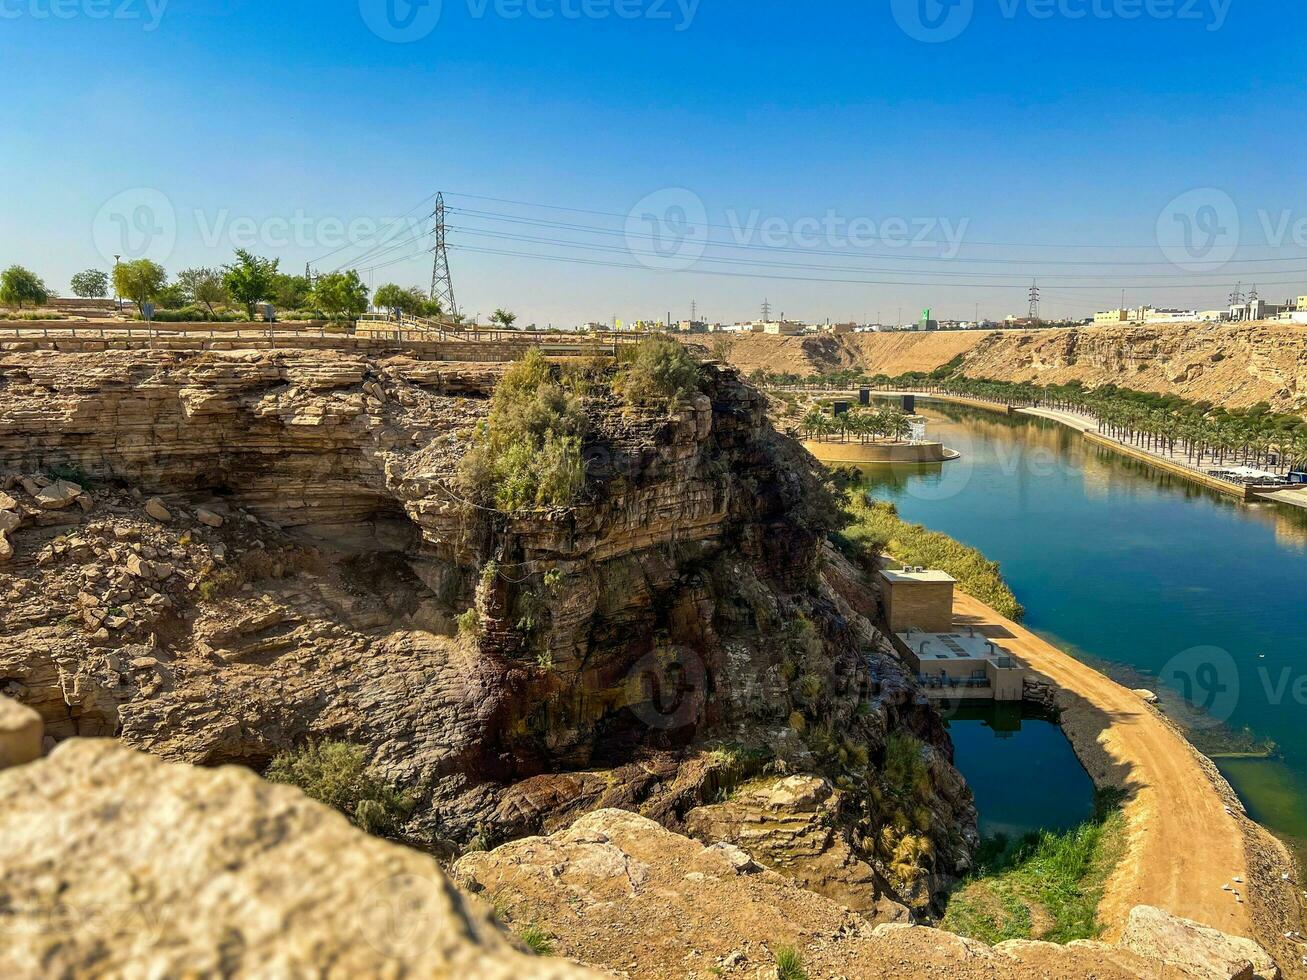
(1031, 131)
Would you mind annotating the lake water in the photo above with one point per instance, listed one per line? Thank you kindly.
(1160, 583)
(1053, 791)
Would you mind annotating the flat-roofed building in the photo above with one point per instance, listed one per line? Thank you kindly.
(918, 598)
(963, 665)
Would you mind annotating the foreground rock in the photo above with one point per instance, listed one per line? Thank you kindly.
(21, 733)
(115, 864)
(1153, 933)
(620, 892)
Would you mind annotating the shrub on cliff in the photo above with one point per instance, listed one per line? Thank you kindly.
(661, 372)
(528, 452)
(335, 773)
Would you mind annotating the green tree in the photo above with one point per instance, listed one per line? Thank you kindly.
(422, 303)
(291, 292)
(19, 286)
(91, 284)
(250, 279)
(503, 319)
(205, 287)
(140, 281)
(341, 295)
(398, 300)
(173, 296)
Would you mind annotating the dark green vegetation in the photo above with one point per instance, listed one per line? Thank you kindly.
(527, 453)
(859, 423)
(335, 773)
(876, 525)
(1043, 886)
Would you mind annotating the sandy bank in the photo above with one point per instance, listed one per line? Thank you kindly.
(1188, 834)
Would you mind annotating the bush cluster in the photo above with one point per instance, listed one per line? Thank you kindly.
(528, 452)
(659, 371)
(335, 773)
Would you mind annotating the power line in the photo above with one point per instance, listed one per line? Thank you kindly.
(1179, 279)
(615, 214)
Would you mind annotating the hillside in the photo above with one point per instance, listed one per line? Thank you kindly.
(1233, 364)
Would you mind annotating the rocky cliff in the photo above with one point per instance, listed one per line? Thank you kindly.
(306, 567)
(1231, 364)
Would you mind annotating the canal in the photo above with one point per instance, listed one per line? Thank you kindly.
(1161, 584)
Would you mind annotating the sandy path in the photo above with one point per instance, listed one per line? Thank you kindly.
(1184, 842)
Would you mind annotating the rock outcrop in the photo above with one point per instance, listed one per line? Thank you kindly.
(665, 638)
(793, 826)
(1203, 951)
(116, 864)
(621, 893)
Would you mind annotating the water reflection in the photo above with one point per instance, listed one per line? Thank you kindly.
(1136, 567)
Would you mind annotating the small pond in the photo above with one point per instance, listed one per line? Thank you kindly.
(1022, 770)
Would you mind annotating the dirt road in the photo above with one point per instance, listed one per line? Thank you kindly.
(1188, 834)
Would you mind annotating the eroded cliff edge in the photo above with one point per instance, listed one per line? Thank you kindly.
(673, 635)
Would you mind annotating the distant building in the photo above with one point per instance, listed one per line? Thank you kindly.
(1110, 316)
(778, 328)
(692, 326)
(839, 328)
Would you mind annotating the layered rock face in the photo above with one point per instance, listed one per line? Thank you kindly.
(115, 864)
(679, 630)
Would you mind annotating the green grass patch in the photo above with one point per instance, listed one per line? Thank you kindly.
(789, 964)
(876, 526)
(537, 940)
(1043, 886)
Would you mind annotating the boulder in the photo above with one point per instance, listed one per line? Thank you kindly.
(58, 495)
(119, 864)
(6, 548)
(21, 733)
(7, 502)
(208, 517)
(789, 824)
(154, 508)
(1197, 948)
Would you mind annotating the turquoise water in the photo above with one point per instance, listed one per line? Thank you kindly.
(1162, 583)
(1053, 791)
